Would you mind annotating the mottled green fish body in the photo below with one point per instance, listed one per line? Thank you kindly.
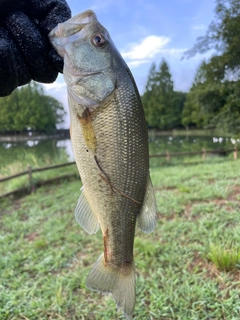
(110, 143)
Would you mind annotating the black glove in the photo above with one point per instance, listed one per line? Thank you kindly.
(25, 51)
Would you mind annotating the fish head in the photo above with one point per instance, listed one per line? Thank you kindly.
(88, 53)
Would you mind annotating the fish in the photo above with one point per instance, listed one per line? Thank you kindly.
(110, 143)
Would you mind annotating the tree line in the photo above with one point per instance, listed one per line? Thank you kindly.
(214, 98)
(212, 102)
(29, 108)
(162, 105)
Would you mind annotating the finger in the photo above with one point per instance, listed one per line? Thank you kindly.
(13, 70)
(33, 45)
(58, 13)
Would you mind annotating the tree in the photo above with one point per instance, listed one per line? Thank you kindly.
(212, 104)
(29, 108)
(223, 37)
(161, 104)
(215, 94)
(148, 102)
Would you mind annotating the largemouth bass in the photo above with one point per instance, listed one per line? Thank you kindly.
(110, 143)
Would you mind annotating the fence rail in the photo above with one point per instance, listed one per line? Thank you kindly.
(30, 170)
(167, 155)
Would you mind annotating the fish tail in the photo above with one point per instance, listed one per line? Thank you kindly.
(106, 279)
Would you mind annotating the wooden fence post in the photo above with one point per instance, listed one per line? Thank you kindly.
(235, 153)
(31, 188)
(204, 153)
(167, 156)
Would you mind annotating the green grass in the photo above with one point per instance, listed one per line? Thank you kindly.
(186, 269)
(18, 166)
(225, 259)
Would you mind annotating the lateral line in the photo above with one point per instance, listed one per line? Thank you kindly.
(119, 191)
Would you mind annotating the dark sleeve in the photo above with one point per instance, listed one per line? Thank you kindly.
(25, 51)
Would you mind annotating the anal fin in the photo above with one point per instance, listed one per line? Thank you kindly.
(148, 216)
(85, 216)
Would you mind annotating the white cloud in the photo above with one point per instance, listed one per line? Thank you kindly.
(107, 6)
(54, 86)
(98, 6)
(58, 90)
(136, 63)
(173, 52)
(199, 27)
(147, 49)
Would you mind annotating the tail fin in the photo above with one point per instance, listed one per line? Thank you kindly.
(107, 279)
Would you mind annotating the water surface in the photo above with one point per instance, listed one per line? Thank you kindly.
(40, 152)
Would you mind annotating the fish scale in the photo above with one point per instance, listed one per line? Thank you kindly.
(110, 144)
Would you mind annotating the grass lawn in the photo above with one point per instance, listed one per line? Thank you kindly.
(186, 269)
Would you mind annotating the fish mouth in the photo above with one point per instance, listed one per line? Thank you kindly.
(73, 25)
(84, 17)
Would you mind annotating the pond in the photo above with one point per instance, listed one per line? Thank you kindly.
(45, 152)
(188, 142)
(34, 152)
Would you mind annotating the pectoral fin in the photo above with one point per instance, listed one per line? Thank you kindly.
(148, 216)
(85, 216)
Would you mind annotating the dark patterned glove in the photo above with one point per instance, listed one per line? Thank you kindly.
(25, 51)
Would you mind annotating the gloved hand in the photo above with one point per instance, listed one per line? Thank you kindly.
(25, 51)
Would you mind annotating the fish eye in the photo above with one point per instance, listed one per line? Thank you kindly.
(98, 40)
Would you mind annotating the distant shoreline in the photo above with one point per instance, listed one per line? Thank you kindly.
(60, 134)
(63, 134)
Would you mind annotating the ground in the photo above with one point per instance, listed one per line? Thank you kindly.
(186, 269)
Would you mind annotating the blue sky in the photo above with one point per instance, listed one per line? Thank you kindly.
(146, 31)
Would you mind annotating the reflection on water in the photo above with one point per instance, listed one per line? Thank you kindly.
(47, 151)
(67, 145)
(35, 152)
(160, 144)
